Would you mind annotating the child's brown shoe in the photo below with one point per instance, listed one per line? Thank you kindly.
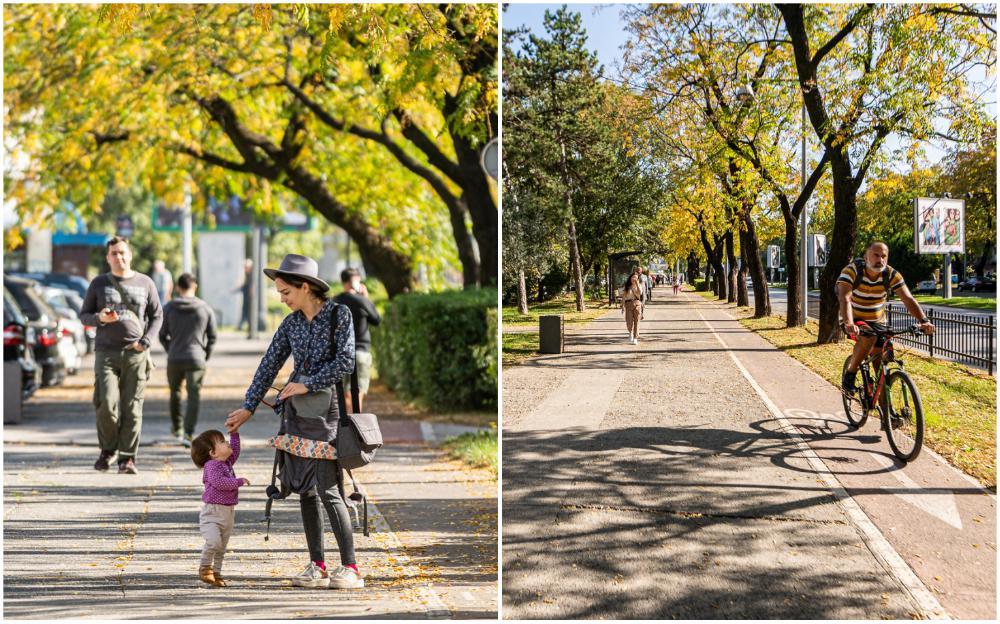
(219, 581)
(207, 575)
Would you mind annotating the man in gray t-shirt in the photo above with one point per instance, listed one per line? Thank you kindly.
(188, 334)
(125, 308)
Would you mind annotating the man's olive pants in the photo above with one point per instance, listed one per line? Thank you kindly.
(121, 378)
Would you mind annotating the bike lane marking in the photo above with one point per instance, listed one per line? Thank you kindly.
(872, 536)
(940, 504)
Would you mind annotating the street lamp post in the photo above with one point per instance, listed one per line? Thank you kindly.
(745, 94)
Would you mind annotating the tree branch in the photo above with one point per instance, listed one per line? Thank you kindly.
(851, 24)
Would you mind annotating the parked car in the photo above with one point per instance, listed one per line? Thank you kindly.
(56, 297)
(60, 280)
(18, 344)
(927, 286)
(978, 284)
(47, 325)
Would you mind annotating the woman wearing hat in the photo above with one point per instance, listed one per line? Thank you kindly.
(305, 334)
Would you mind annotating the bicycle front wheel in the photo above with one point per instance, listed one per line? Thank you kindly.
(853, 408)
(904, 420)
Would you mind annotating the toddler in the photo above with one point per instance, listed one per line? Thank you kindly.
(211, 452)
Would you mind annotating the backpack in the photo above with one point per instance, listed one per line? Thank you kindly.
(859, 269)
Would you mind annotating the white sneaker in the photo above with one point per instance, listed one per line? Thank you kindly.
(313, 576)
(636, 341)
(631, 340)
(346, 578)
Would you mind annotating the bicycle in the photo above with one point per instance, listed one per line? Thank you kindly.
(893, 395)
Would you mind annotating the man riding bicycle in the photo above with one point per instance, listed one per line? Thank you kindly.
(863, 299)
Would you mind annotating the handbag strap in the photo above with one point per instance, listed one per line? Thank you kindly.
(125, 300)
(341, 401)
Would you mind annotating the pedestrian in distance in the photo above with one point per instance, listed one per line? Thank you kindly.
(319, 335)
(125, 308)
(215, 456)
(632, 306)
(677, 285)
(363, 313)
(188, 335)
(163, 280)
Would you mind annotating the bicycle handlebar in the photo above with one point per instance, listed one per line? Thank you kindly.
(866, 330)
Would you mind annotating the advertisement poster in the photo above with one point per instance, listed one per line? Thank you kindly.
(939, 225)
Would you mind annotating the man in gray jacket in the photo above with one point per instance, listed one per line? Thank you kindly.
(188, 334)
(125, 308)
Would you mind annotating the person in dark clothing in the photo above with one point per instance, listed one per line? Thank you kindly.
(364, 314)
(125, 308)
(188, 334)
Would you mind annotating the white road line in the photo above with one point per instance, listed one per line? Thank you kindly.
(872, 536)
(941, 505)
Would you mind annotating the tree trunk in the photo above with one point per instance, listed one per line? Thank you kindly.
(465, 243)
(478, 200)
(742, 300)
(983, 259)
(693, 268)
(522, 293)
(749, 242)
(792, 272)
(574, 249)
(731, 269)
(845, 231)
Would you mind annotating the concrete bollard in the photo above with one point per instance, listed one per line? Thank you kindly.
(550, 334)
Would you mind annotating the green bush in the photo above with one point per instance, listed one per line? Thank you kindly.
(701, 285)
(440, 349)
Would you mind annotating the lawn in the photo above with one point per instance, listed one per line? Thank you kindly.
(479, 450)
(960, 405)
(563, 304)
(972, 303)
(519, 347)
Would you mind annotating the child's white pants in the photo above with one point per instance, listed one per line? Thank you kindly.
(216, 523)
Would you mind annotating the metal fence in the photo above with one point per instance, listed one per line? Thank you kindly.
(968, 338)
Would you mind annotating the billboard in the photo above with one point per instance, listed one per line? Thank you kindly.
(773, 257)
(938, 225)
(817, 250)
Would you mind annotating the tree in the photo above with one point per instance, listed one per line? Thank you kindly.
(699, 60)
(870, 72)
(162, 95)
(550, 90)
(974, 171)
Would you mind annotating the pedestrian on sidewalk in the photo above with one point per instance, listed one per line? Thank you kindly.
(125, 308)
(677, 285)
(363, 313)
(319, 363)
(187, 334)
(632, 307)
(216, 457)
(163, 280)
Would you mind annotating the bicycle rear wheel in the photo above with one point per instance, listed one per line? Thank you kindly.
(904, 419)
(853, 408)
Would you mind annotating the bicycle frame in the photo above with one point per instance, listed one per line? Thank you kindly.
(871, 398)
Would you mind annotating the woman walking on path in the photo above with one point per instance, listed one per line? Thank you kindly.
(632, 307)
(305, 334)
(677, 284)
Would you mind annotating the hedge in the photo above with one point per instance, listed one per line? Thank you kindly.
(440, 349)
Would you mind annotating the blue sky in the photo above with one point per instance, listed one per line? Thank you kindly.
(606, 34)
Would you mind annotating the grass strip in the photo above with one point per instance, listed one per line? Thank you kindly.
(519, 347)
(563, 304)
(969, 303)
(478, 450)
(960, 408)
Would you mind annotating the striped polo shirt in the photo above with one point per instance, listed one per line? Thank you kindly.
(868, 299)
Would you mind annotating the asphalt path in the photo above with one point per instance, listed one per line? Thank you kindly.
(664, 480)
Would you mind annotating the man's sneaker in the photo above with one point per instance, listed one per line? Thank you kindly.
(104, 461)
(127, 467)
(346, 578)
(186, 440)
(178, 435)
(312, 576)
(848, 382)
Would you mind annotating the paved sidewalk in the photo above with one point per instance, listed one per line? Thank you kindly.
(652, 481)
(83, 544)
